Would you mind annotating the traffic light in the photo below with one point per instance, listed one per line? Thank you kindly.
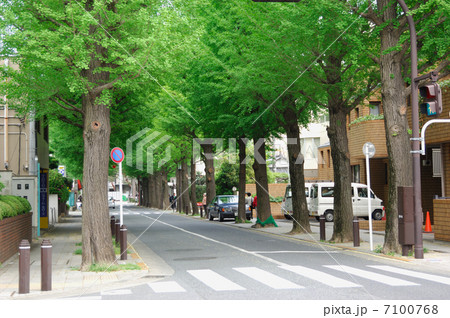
(432, 103)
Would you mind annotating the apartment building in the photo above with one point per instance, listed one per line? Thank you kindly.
(366, 124)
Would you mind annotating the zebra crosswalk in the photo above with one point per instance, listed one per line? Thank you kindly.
(218, 282)
(286, 277)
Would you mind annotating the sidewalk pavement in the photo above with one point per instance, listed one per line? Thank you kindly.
(68, 281)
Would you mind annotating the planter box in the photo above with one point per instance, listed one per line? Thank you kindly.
(441, 227)
(376, 225)
(12, 232)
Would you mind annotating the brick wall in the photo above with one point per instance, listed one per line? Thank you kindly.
(441, 226)
(12, 232)
(446, 165)
(367, 131)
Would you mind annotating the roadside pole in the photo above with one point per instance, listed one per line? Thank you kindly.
(369, 152)
(120, 193)
(117, 155)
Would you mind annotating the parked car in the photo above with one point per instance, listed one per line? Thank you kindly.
(111, 203)
(226, 207)
(322, 201)
(286, 205)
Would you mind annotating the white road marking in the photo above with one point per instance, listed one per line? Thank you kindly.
(296, 252)
(320, 276)
(267, 278)
(434, 278)
(219, 242)
(384, 279)
(214, 280)
(116, 292)
(166, 287)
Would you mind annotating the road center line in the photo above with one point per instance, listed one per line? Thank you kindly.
(219, 242)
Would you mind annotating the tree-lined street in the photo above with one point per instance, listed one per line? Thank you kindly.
(212, 260)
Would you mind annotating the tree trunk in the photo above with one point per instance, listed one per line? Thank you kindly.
(96, 229)
(296, 172)
(165, 204)
(343, 208)
(208, 157)
(396, 123)
(262, 186)
(185, 187)
(179, 201)
(193, 188)
(144, 191)
(242, 180)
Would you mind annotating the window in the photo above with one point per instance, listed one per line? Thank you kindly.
(356, 173)
(436, 159)
(329, 158)
(327, 192)
(374, 108)
(357, 112)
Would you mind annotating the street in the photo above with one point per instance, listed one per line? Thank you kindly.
(213, 260)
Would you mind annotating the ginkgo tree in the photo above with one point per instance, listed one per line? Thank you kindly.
(76, 57)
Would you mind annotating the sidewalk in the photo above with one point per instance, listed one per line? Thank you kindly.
(67, 280)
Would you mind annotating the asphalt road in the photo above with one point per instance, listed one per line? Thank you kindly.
(213, 260)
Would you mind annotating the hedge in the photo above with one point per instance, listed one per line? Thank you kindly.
(11, 205)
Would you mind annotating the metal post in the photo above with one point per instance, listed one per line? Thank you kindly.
(418, 215)
(322, 227)
(117, 231)
(113, 225)
(24, 267)
(46, 265)
(356, 231)
(123, 242)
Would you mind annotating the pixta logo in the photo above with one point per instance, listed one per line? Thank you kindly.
(148, 144)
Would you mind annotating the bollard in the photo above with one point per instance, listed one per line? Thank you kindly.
(24, 267)
(355, 231)
(117, 231)
(113, 226)
(46, 265)
(322, 228)
(123, 242)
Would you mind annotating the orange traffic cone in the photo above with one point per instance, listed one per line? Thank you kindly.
(428, 223)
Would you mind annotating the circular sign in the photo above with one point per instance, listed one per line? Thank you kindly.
(369, 149)
(117, 155)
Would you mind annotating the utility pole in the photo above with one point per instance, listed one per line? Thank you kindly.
(418, 215)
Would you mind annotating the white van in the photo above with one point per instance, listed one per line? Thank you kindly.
(322, 201)
(286, 205)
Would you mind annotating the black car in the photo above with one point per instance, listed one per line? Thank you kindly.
(226, 207)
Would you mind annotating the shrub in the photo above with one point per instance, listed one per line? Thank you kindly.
(12, 205)
(58, 185)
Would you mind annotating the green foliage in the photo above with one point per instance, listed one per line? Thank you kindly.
(2, 186)
(11, 205)
(367, 118)
(227, 178)
(59, 185)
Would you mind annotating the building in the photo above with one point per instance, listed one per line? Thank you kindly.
(24, 160)
(366, 124)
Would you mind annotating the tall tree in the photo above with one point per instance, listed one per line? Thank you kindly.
(75, 56)
(393, 58)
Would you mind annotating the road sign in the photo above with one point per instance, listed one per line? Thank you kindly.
(369, 149)
(117, 155)
(62, 170)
